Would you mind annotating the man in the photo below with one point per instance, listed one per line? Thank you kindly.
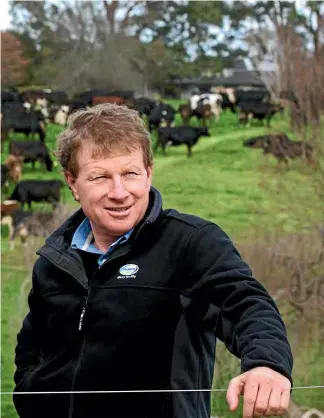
(129, 297)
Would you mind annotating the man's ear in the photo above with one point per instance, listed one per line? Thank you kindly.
(149, 171)
(71, 181)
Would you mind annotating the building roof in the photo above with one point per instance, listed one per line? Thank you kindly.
(238, 76)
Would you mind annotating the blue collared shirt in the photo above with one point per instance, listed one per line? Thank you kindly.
(83, 240)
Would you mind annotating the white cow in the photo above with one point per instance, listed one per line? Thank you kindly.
(194, 99)
(215, 101)
(61, 115)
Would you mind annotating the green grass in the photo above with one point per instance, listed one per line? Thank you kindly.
(236, 187)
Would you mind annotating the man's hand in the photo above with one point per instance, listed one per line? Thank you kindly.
(266, 393)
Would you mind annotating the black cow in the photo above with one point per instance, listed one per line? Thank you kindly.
(76, 104)
(180, 135)
(10, 96)
(32, 151)
(57, 97)
(33, 94)
(252, 96)
(13, 107)
(143, 105)
(260, 111)
(161, 113)
(226, 103)
(28, 191)
(25, 122)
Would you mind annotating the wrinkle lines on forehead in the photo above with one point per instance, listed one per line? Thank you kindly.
(108, 150)
(120, 162)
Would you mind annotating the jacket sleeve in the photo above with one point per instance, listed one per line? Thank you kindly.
(249, 321)
(28, 346)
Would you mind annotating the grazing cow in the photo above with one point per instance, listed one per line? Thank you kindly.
(8, 208)
(252, 96)
(194, 99)
(32, 95)
(9, 96)
(214, 100)
(14, 165)
(143, 105)
(41, 106)
(32, 151)
(107, 99)
(229, 96)
(202, 112)
(57, 97)
(180, 135)
(185, 113)
(76, 104)
(229, 100)
(260, 111)
(27, 123)
(52, 111)
(61, 116)
(14, 107)
(162, 113)
(28, 191)
(281, 147)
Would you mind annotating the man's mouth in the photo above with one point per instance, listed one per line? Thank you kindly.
(121, 209)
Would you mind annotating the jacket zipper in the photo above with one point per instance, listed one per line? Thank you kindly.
(80, 329)
(84, 307)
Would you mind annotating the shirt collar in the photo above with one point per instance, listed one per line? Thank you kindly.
(83, 239)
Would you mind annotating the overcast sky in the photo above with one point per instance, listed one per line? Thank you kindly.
(5, 20)
(4, 16)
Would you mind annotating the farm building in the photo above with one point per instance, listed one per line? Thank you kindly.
(237, 77)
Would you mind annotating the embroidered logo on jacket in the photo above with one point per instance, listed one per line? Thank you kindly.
(128, 271)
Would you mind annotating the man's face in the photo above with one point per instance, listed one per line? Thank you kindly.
(113, 191)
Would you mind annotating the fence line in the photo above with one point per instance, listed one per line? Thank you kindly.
(136, 391)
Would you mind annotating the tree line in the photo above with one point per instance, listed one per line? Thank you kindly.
(73, 45)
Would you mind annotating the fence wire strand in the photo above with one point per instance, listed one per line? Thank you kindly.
(86, 392)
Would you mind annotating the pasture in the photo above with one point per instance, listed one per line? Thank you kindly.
(240, 189)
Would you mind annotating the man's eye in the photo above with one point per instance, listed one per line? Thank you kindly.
(97, 178)
(131, 174)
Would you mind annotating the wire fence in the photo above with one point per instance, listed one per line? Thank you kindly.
(137, 391)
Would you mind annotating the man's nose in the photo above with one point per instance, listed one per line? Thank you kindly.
(117, 190)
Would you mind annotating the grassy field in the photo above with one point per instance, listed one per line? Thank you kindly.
(236, 187)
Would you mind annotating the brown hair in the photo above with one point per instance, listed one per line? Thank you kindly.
(109, 129)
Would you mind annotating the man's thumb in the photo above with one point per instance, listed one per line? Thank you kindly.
(235, 389)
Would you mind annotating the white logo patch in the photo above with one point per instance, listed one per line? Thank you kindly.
(129, 269)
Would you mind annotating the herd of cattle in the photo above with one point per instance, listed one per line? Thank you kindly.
(31, 111)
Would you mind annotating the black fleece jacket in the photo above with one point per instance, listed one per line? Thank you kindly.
(146, 319)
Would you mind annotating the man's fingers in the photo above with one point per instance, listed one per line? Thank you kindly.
(235, 389)
(262, 400)
(266, 393)
(250, 397)
(274, 403)
(284, 403)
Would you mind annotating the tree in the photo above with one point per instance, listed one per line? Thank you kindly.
(88, 38)
(13, 62)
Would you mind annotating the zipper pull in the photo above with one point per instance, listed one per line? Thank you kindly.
(82, 314)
